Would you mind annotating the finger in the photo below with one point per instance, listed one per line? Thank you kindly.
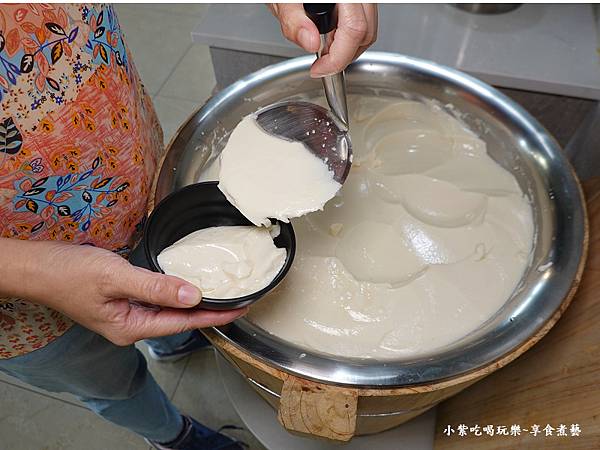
(372, 17)
(273, 7)
(143, 323)
(349, 36)
(296, 26)
(360, 51)
(155, 288)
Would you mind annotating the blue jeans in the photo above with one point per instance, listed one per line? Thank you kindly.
(112, 381)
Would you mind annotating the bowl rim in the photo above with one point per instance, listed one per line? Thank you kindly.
(379, 374)
(208, 302)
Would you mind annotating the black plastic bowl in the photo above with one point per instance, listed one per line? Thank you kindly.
(192, 208)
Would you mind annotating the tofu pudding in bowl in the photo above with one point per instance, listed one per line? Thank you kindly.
(225, 262)
(455, 243)
(196, 234)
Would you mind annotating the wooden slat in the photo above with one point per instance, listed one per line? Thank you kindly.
(316, 409)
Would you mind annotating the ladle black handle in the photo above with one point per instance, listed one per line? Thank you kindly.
(323, 15)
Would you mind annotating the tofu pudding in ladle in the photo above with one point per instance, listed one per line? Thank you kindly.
(426, 240)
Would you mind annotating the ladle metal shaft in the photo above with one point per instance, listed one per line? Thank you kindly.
(324, 16)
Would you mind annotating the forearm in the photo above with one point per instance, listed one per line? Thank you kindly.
(21, 268)
(93, 286)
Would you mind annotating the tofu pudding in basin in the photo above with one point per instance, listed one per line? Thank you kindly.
(425, 241)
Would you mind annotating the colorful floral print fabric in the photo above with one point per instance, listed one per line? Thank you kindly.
(79, 144)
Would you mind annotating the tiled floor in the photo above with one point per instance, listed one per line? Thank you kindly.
(178, 75)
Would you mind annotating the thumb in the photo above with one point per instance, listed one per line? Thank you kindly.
(155, 288)
(296, 26)
(350, 34)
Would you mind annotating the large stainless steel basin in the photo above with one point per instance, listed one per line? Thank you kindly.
(514, 139)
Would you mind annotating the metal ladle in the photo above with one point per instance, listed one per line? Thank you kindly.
(323, 132)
